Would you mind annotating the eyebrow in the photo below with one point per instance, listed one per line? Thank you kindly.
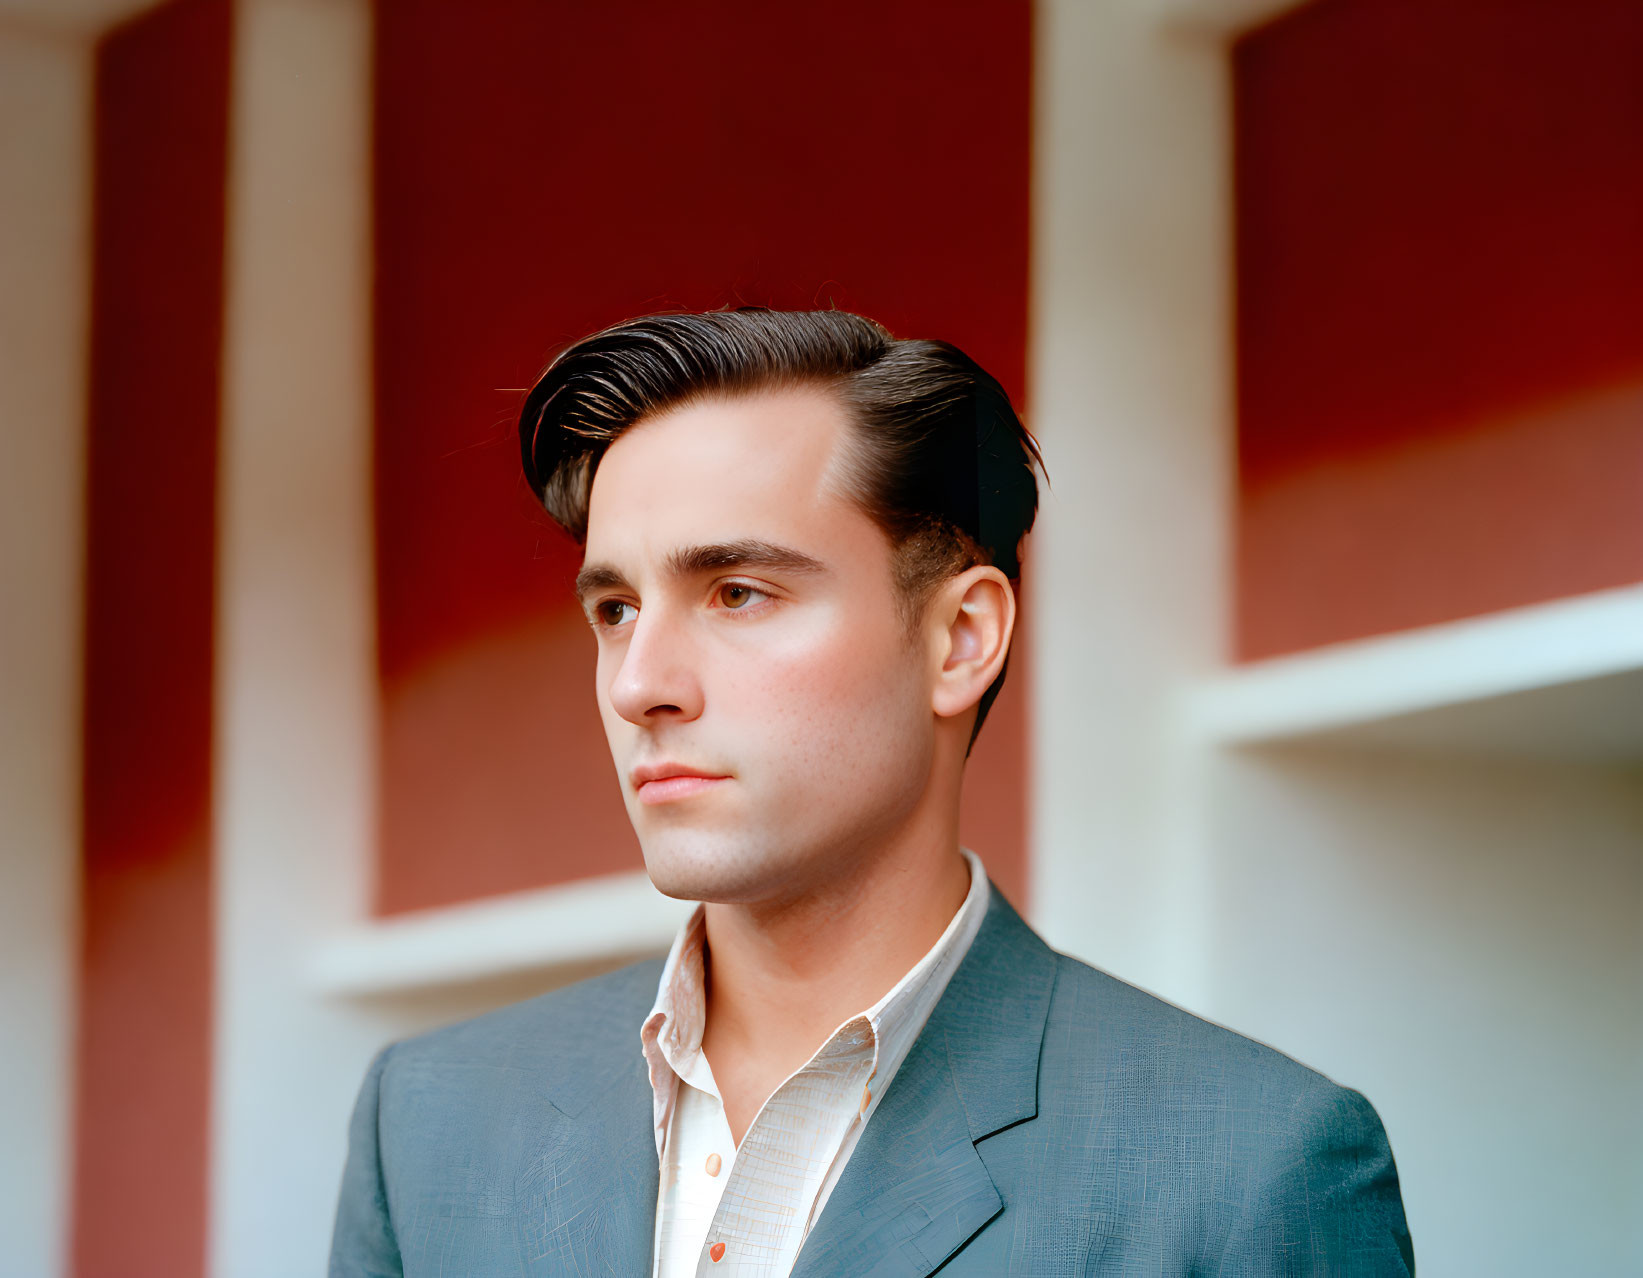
(693, 561)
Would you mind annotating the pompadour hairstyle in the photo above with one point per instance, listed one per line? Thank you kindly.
(939, 459)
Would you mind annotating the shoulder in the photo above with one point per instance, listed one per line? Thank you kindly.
(1111, 1051)
(1113, 1025)
(1160, 1069)
(1292, 1162)
(577, 1022)
(450, 1123)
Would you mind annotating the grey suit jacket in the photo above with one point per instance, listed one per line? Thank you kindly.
(1049, 1120)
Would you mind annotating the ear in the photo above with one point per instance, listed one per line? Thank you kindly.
(972, 618)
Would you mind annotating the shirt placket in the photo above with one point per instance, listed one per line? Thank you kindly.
(784, 1156)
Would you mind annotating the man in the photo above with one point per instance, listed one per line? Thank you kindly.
(800, 540)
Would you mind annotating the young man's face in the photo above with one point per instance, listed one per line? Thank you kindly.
(787, 675)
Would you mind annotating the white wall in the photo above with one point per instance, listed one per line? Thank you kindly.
(45, 184)
(1129, 393)
(295, 729)
(1462, 940)
(296, 697)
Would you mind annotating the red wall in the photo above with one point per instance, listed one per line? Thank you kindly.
(145, 990)
(1440, 312)
(544, 169)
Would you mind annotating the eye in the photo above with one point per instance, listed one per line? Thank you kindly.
(608, 612)
(736, 595)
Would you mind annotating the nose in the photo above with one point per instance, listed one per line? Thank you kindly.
(657, 675)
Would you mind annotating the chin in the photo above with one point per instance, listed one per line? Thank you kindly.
(701, 866)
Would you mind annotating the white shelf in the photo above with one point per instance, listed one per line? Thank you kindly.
(605, 918)
(1216, 19)
(1556, 680)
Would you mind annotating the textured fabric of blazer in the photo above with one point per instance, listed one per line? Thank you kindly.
(1049, 1120)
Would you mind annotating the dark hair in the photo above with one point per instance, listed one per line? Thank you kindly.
(940, 461)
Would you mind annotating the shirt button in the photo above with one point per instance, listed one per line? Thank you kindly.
(716, 1252)
(713, 1165)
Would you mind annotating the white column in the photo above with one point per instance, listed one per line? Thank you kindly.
(1130, 394)
(295, 697)
(45, 251)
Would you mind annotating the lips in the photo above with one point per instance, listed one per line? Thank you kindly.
(664, 771)
(666, 782)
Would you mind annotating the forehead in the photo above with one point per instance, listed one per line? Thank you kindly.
(760, 465)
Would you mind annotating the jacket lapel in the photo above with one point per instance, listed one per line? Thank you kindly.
(915, 1190)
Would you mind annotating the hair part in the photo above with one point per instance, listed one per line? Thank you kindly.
(936, 457)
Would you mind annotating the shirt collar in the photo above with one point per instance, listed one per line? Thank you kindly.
(671, 1035)
(898, 1017)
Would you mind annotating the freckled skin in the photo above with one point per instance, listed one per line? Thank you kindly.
(809, 696)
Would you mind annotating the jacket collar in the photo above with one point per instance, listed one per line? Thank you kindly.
(914, 1191)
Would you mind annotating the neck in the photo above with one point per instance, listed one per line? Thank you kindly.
(791, 974)
(782, 975)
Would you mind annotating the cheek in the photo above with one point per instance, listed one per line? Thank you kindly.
(829, 708)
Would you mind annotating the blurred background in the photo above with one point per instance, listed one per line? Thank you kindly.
(1326, 718)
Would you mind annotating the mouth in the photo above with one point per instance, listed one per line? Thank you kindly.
(667, 782)
(671, 789)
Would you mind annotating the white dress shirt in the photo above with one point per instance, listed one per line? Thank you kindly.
(721, 1210)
